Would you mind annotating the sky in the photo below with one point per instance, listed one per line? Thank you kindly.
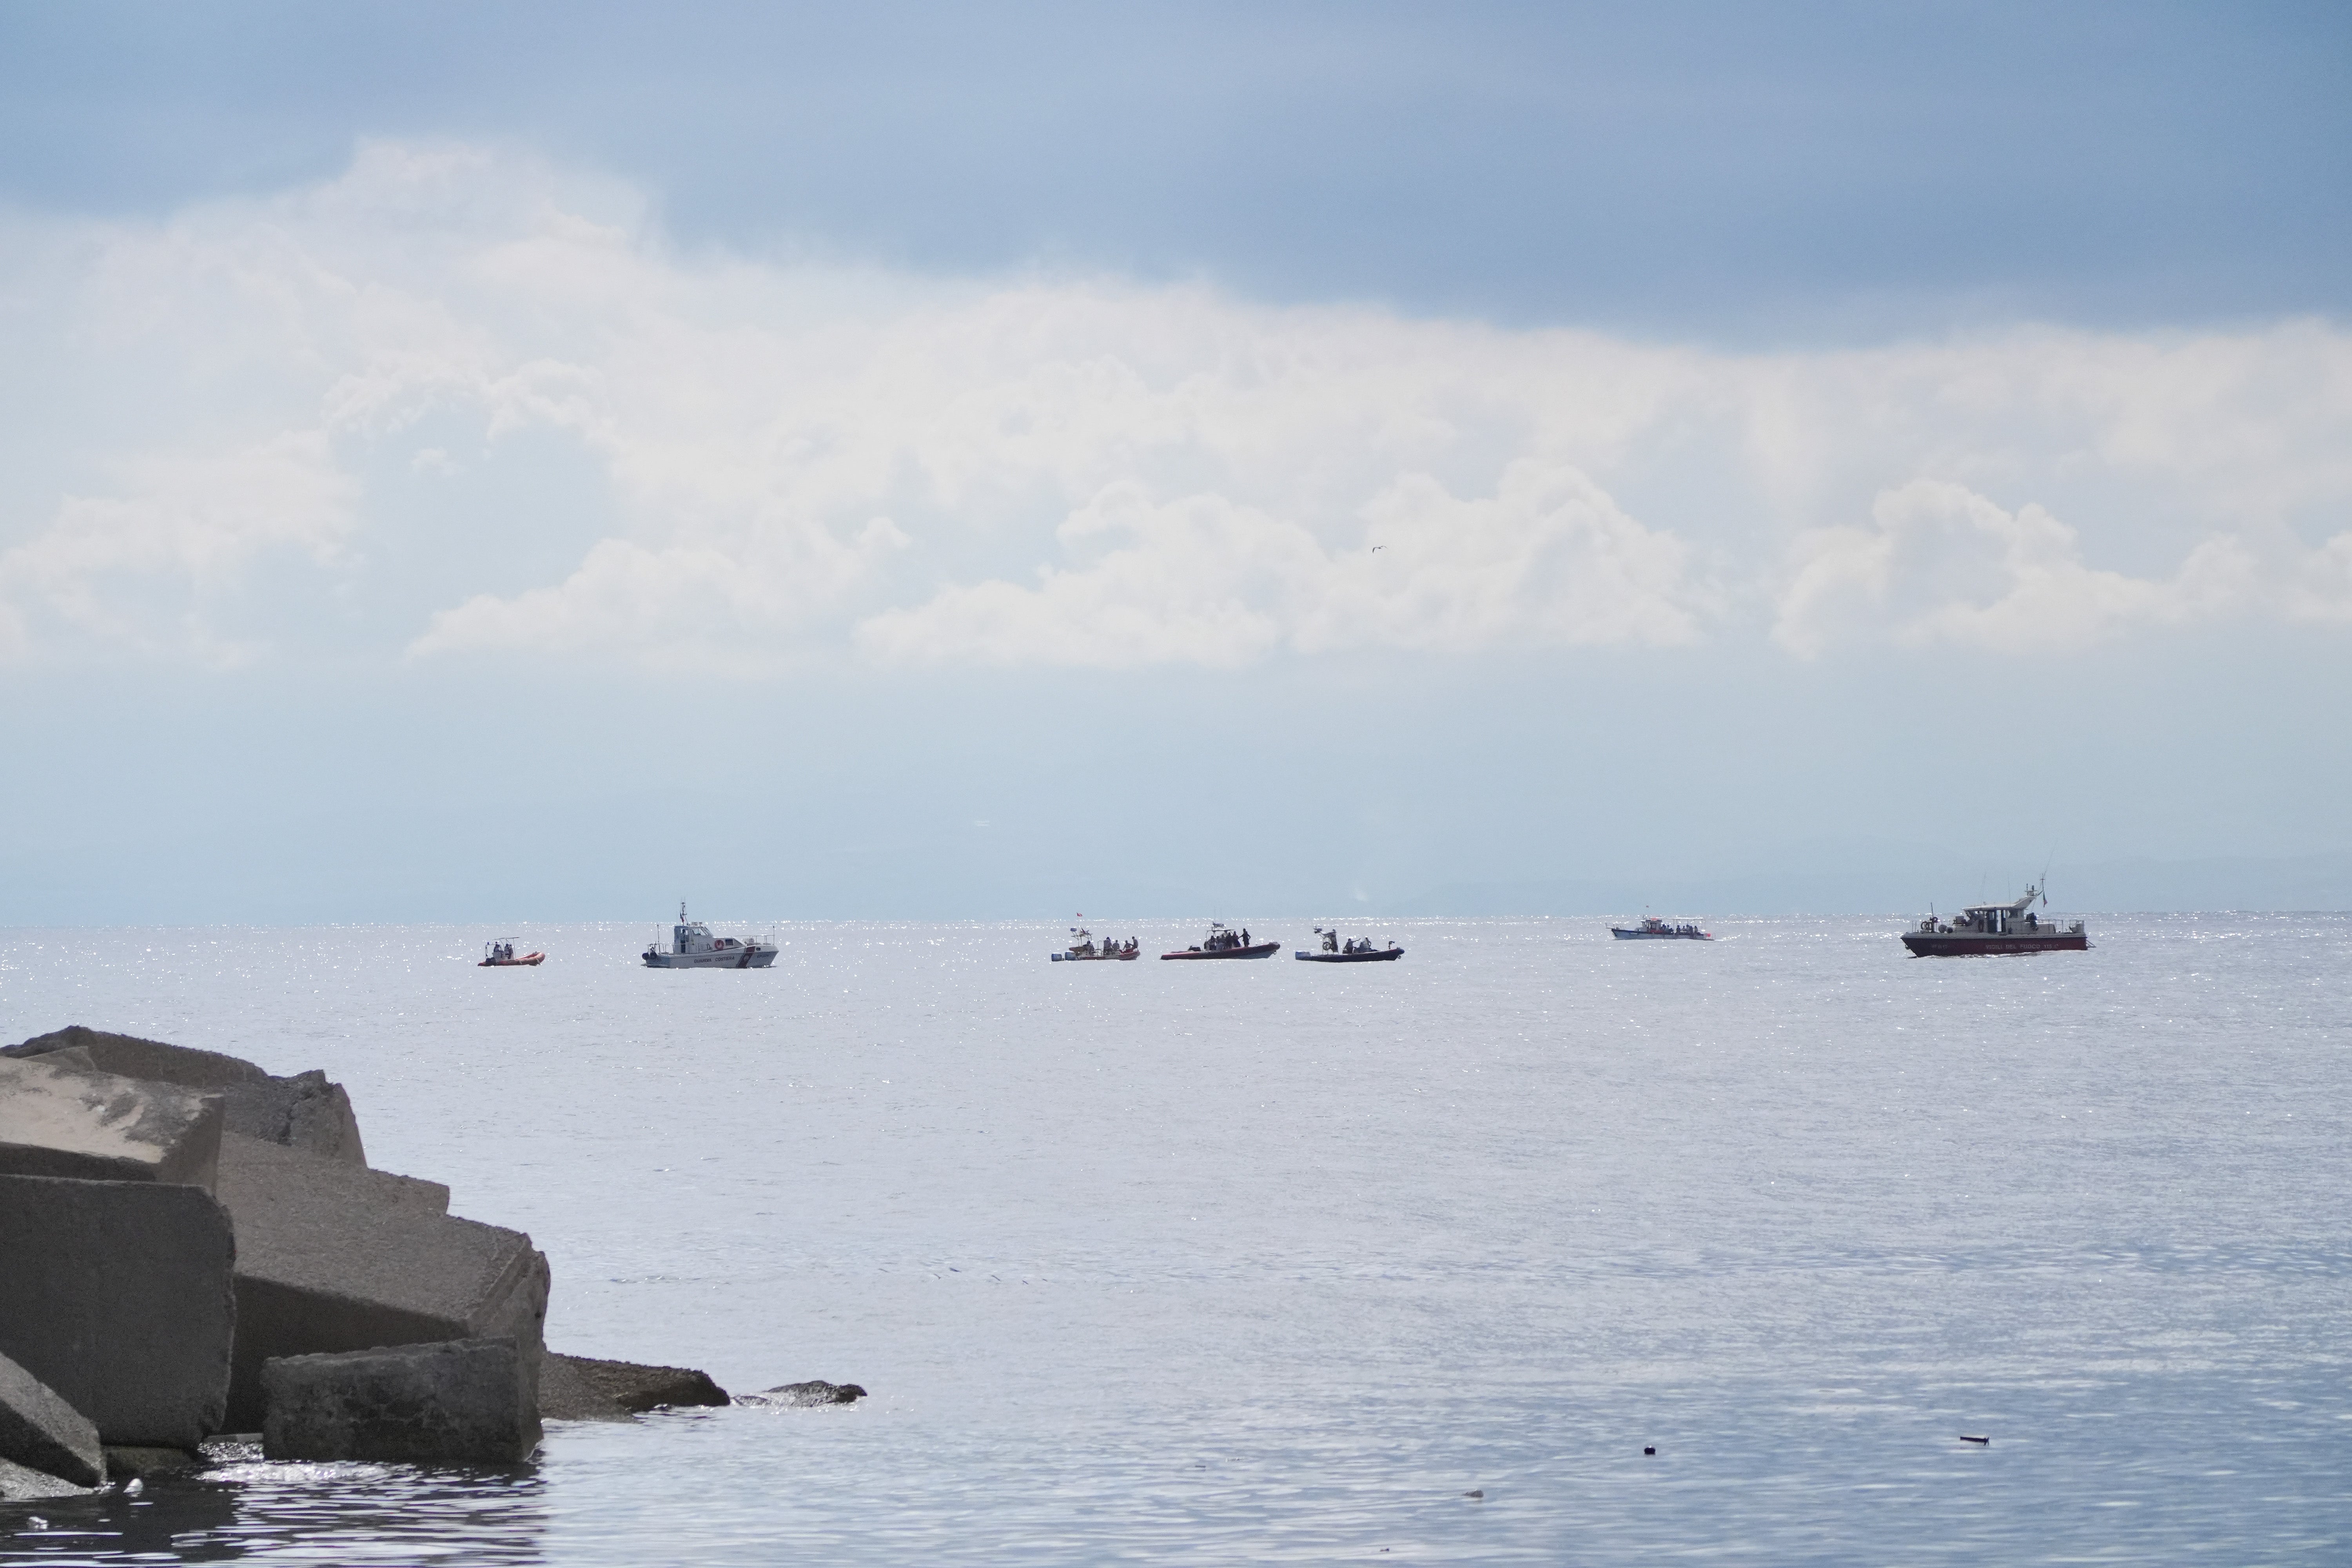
(536, 462)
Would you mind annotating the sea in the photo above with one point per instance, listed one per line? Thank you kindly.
(1532, 1246)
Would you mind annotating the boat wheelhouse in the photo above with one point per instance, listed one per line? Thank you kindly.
(693, 947)
(1982, 929)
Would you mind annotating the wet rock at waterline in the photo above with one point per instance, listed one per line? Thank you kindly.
(578, 1388)
(459, 1402)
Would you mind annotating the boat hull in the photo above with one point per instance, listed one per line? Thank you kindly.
(1094, 957)
(1625, 934)
(1969, 944)
(1259, 950)
(740, 958)
(1310, 957)
(528, 961)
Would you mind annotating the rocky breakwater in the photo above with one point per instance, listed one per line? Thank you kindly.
(190, 1246)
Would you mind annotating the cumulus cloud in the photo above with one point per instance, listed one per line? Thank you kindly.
(147, 564)
(1548, 560)
(485, 392)
(1940, 563)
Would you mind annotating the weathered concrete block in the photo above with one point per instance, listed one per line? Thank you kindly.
(65, 1121)
(40, 1429)
(131, 1057)
(303, 1111)
(330, 1258)
(119, 1296)
(461, 1402)
(576, 1388)
(254, 1172)
(21, 1483)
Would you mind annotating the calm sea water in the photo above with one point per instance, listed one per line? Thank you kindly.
(1278, 1261)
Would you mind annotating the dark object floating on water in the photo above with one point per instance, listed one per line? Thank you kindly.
(805, 1394)
(1987, 928)
(1353, 950)
(1649, 1450)
(1653, 929)
(501, 955)
(1477, 1496)
(1981, 1442)
(1222, 943)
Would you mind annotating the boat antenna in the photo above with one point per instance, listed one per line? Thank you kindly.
(681, 911)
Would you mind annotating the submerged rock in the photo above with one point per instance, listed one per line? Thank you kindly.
(578, 1388)
(805, 1394)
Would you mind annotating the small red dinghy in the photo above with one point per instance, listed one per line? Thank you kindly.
(501, 955)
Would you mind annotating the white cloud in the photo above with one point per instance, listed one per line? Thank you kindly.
(1548, 560)
(1940, 563)
(754, 461)
(146, 566)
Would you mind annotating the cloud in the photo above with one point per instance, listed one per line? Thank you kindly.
(677, 607)
(148, 565)
(484, 396)
(1940, 563)
(1548, 560)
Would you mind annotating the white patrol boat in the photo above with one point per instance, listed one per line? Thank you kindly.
(693, 947)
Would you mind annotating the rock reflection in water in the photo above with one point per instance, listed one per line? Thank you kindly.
(252, 1508)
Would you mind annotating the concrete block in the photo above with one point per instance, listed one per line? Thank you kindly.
(21, 1483)
(131, 1057)
(254, 1172)
(39, 1429)
(576, 1388)
(65, 1121)
(303, 1111)
(334, 1258)
(460, 1402)
(121, 1297)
